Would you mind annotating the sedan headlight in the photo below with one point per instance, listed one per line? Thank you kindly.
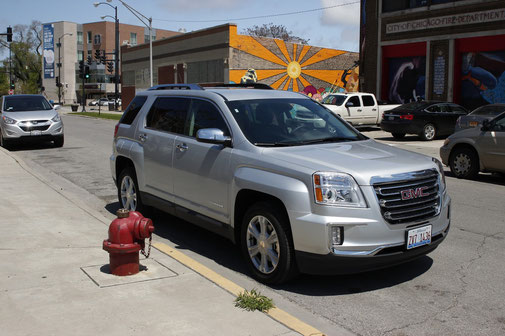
(56, 118)
(440, 167)
(337, 189)
(9, 121)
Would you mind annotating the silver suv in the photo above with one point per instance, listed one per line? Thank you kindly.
(275, 171)
(29, 118)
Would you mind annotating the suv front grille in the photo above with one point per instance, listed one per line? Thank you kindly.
(34, 125)
(409, 200)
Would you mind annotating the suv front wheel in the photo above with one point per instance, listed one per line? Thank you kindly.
(128, 190)
(266, 244)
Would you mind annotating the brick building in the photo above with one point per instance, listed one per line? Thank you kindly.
(78, 42)
(220, 54)
(451, 50)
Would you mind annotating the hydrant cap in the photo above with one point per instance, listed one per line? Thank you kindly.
(122, 213)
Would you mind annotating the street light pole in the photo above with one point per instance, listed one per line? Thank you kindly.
(59, 65)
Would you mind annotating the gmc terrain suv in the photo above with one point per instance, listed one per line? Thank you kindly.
(276, 172)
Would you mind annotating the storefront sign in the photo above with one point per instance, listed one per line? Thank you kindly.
(48, 43)
(439, 75)
(446, 21)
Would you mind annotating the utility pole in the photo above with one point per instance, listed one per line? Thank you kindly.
(116, 61)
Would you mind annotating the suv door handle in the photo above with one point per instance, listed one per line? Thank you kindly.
(142, 137)
(182, 147)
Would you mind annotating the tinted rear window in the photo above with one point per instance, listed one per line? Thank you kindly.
(133, 109)
(491, 110)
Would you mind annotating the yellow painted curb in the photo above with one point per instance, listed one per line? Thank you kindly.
(277, 314)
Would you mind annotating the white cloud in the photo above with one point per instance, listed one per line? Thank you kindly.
(340, 16)
(185, 5)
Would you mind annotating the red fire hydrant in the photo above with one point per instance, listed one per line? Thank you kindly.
(126, 238)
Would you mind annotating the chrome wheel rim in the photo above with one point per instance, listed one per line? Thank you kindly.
(429, 132)
(128, 193)
(462, 164)
(263, 244)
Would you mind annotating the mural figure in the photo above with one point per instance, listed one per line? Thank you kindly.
(482, 78)
(407, 79)
(249, 77)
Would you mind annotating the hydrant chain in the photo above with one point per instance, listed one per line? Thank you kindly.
(148, 248)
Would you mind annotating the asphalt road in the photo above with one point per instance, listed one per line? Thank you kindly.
(457, 290)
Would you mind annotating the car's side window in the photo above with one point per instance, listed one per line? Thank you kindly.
(355, 101)
(368, 101)
(457, 109)
(168, 114)
(133, 109)
(203, 114)
(433, 108)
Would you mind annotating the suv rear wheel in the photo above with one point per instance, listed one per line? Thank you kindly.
(266, 244)
(128, 190)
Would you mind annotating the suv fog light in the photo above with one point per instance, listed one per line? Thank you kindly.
(336, 235)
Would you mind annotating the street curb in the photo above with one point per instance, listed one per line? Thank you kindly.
(276, 313)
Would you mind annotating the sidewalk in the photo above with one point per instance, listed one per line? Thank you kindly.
(54, 278)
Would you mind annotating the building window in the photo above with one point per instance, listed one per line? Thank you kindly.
(79, 37)
(90, 37)
(133, 38)
(97, 39)
(80, 55)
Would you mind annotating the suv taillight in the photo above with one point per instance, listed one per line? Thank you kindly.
(115, 129)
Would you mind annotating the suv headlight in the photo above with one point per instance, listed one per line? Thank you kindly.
(9, 121)
(56, 118)
(337, 189)
(440, 167)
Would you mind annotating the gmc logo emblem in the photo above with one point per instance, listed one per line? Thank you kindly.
(413, 193)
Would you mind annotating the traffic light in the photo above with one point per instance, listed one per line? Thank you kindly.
(89, 60)
(110, 66)
(12, 86)
(86, 71)
(81, 69)
(103, 59)
(98, 55)
(9, 34)
(58, 84)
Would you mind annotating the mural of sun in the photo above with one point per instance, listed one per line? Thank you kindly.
(289, 66)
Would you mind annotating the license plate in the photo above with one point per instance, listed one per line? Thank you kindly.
(35, 133)
(418, 237)
(473, 123)
(391, 118)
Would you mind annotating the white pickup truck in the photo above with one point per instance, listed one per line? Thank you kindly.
(358, 109)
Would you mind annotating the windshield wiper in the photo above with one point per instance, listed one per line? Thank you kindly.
(273, 144)
(324, 140)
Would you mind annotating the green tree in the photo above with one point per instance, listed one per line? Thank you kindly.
(274, 31)
(26, 57)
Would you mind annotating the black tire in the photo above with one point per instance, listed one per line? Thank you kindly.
(464, 163)
(59, 141)
(128, 178)
(429, 132)
(398, 135)
(283, 248)
(5, 143)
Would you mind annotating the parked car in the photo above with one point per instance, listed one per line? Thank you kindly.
(428, 119)
(29, 118)
(476, 149)
(477, 116)
(295, 186)
(101, 102)
(358, 109)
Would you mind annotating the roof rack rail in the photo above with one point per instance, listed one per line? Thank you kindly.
(259, 86)
(175, 87)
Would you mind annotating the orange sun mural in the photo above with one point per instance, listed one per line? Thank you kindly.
(290, 66)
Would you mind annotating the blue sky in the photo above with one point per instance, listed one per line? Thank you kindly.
(332, 28)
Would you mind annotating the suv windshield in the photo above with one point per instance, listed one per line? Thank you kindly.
(491, 110)
(289, 122)
(334, 99)
(26, 103)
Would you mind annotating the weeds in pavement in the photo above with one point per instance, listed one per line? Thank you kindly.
(253, 300)
(113, 116)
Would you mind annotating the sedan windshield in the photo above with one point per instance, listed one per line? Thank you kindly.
(26, 103)
(334, 99)
(289, 122)
(490, 110)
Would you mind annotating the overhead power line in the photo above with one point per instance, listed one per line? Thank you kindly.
(263, 16)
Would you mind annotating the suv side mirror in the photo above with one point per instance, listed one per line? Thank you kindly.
(486, 126)
(213, 136)
(57, 107)
(349, 104)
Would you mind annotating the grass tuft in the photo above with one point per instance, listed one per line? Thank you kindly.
(253, 300)
(113, 116)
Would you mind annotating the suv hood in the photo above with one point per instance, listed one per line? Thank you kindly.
(361, 159)
(31, 115)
